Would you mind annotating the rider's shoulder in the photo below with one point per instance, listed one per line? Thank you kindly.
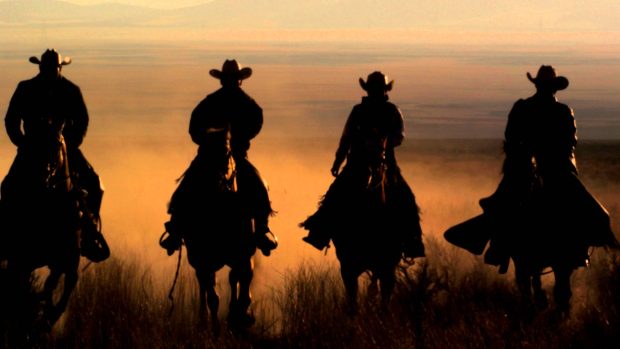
(523, 102)
(564, 108)
(29, 83)
(225, 94)
(392, 107)
(69, 85)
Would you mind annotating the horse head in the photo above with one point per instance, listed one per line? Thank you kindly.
(219, 153)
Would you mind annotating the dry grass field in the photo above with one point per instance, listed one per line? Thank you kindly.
(450, 299)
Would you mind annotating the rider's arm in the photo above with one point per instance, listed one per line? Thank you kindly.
(255, 120)
(197, 127)
(397, 131)
(78, 122)
(12, 120)
(570, 129)
(569, 132)
(517, 167)
(345, 144)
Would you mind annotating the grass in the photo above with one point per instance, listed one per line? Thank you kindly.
(447, 300)
(450, 299)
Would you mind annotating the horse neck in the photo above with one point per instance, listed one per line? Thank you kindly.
(57, 175)
(221, 167)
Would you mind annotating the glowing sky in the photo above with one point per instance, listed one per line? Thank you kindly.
(498, 15)
(446, 39)
(163, 4)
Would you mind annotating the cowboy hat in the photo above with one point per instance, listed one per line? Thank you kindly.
(50, 57)
(231, 69)
(376, 80)
(547, 77)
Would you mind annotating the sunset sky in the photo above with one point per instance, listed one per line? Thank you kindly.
(458, 66)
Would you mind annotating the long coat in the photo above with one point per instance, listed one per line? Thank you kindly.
(540, 209)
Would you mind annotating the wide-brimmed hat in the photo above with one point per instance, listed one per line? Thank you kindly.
(376, 80)
(51, 57)
(547, 77)
(231, 69)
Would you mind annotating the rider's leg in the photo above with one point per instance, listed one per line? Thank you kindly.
(252, 186)
(405, 215)
(85, 177)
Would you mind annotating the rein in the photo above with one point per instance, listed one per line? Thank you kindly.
(174, 283)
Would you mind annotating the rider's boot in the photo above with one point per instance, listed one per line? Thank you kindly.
(172, 241)
(319, 242)
(316, 237)
(266, 241)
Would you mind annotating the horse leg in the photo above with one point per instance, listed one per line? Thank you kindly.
(561, 290)
(233, 281)
(540, 296)
(240, 279)
(388, 280)
(50, 285)
(523, 277)
(349, 279)
(71, 278)
(208, 298)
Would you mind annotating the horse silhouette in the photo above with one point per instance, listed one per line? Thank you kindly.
(535, 234)
(211, 213)
(41, 228)
(363, 209)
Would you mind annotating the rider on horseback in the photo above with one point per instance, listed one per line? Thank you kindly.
(541, 214)
(373, 124)
(51, 105)
(230, 107)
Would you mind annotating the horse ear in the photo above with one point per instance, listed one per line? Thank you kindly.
(389, 86)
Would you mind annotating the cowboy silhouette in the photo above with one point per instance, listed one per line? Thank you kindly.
(46, 106)
(541, 214)
(374, 127)
(229, 107)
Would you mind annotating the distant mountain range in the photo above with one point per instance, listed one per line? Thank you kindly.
(312, 14)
